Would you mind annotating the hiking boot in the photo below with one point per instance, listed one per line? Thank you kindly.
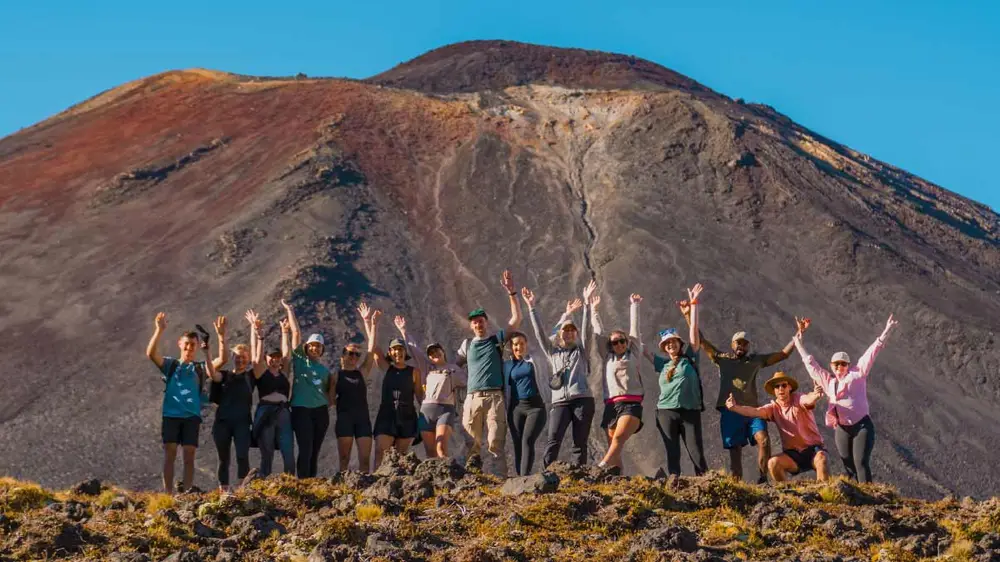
(474, 464)
(179, 488)
(762, 481)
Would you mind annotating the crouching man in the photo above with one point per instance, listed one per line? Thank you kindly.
(792, 413)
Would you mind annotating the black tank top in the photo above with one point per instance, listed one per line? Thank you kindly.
(397, 388)
(352, 391)
(268, 383)
(237, 396)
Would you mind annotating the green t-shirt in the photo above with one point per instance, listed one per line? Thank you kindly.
(311, 381)
(485, 362)
(683, 391)
(739, 377)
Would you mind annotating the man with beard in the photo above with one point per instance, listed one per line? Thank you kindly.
(738, 372)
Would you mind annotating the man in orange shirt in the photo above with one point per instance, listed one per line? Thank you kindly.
(792, 413)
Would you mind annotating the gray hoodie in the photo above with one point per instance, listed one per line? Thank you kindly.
(570, 361)
(622, 376)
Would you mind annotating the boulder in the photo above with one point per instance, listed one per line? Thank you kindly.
(255, 528)
(541, 483)
(665, 538)
(87, 488)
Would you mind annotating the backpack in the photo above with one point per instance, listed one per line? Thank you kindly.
(197, 369)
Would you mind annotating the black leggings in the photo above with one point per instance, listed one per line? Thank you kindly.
(526, 420)
(578, 412)
(855, 443)
(225, 433)
(677, 425)
(309, 425)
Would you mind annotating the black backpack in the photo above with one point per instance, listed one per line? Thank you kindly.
(197, 369)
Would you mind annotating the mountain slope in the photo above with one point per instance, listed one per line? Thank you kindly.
(204, 193)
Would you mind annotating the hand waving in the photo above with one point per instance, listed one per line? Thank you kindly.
(573, 305)
(802, 324)
(589, 290)
(528, 296)
(365, 311)
(220, 326)
(694, 292)
(635, 298)
(685, 307)
(508, 281)
(891, 323)
(161, 321)
(400, 323)
(285, 326)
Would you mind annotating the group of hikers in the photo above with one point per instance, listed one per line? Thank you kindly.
(497, 383)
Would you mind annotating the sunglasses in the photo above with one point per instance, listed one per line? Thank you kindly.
(352, 353)
(840, 364)
(782, 385)
(619, 342)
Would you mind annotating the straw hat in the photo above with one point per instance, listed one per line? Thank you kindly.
(780, 377)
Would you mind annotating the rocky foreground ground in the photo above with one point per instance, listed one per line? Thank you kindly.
(438, 510)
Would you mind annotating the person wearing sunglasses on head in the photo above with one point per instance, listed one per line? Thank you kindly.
(792, 413)
(680, 404)
(350, 396)
(572, 401)
(621, 382)
(846, 388)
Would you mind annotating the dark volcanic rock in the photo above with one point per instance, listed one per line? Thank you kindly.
(541, 483)
(255, 528)
(88, 488)
(443, 473)
(665, 538)
(395, 464)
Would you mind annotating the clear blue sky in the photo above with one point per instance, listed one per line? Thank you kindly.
(915, 83)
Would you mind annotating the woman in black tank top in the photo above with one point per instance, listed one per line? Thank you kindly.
(402, 391)
(353, 423)
(272, 421)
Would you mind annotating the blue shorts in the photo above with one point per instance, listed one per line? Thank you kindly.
(737, 430)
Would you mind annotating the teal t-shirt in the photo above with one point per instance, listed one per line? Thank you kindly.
(182, 397)
(311, 381)
(683, 391)
(484, 361)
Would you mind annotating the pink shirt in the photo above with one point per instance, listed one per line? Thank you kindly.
(796, 423)
(848, 395)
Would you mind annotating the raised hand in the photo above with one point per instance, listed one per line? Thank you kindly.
(891, 323)
(589, 290)
(573, 305)
(376, 315)
(220, 326)
(285, 326)
(400, 323)
(258, 325)
(730, 402)
(635, 298)
(508, 281)
(595, 300)
(365, 311)
(251, 316)
(161, 321)
(528, 297)
(802, 324)
(693, 292)
(685, 307)
(285, 304)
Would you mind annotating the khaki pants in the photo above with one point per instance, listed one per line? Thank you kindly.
(486, 407)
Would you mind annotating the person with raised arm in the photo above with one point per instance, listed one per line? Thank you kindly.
(484, 413)
(680, 404)
(846, 388)
(569, 368)
(272, 420)
(792, 413)
(738, 372)
(184, 379)
(354, 425)
(234, 396)
(402, 392)
(621, 381)
(442, 384)
(312, 396)
(525, 407)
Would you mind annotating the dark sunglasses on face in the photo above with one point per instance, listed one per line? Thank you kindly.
(782, 385)
(840, 364)
(352, 353)
(619, 342)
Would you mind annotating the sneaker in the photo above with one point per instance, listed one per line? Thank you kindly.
(762, 481)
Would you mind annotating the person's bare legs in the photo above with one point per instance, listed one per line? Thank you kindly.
(382, 444)
(402, 445)
(430, 445)
(736, 462)
(364, 454)
(780, 466)
(188, 452)
(820, 464)
(344, 445)
(763, 452)
(169, 457)
(626, 426)
(441, 440)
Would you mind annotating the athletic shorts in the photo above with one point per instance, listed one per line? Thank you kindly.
(615, 410)
(804, 459)
(401, 425)
(181, 431)
(737, 430)
(353, 423)
(434, 415)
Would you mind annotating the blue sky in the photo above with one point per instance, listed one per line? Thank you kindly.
(915, 83)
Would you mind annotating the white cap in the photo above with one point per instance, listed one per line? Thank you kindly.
(316, 338)
(841, 356)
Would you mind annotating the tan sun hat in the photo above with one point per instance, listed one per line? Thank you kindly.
(780, 377)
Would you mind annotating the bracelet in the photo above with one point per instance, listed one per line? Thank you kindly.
(694, 302)
(514, 294)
